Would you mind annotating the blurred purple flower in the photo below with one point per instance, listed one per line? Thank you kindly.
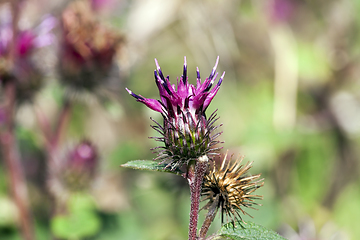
(73, 168)
(27, 40)
(281, 10)
(19, 68)
(99, 5)
(88, 49)
(80, 166)
(187, 133)
(84, 157)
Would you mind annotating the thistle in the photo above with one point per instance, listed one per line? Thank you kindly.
(88, 49)
(81, 165)
(230, 189)
(16, 52)
(187, 133)
(72, 169)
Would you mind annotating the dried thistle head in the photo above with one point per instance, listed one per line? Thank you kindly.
(230, 188)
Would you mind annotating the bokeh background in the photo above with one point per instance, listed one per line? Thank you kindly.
(290, 102)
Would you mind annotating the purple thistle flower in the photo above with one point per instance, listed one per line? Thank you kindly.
(186, 132)
(21, 69)
(84, 156)
(81, 165)
(29, 39)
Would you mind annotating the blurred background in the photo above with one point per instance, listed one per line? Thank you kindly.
(290, 102)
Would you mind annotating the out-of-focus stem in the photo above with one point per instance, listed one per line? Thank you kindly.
(44, 126)
(12, 159)
(286, 76)
(8, 143)
(62, 123)
(195, 174)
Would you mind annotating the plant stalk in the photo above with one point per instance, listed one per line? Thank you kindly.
(195, 174)
(209, 219)
(12, 159)
(62, 123)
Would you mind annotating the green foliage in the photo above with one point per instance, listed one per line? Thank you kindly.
(309, 55)
(125, 152)
(248, 231)
(314, 165)
(81, 220)
(151, 166)
(8, 212)
(347, 210)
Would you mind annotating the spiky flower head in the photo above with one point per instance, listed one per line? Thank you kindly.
(186, 133)
(230, 188)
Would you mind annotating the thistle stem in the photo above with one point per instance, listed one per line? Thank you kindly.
(53, 147)
(12, 159)
(209, 219)
(195, 174)
(62, 123)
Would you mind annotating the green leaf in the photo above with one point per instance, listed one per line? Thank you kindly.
(151, 166)
(80, 221)
(81, 202)
(75, 225)
(248, 231)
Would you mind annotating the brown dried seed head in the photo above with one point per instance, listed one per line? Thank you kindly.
(230, 188)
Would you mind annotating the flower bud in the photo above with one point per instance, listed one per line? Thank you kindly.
(81, 165)
(87, 48)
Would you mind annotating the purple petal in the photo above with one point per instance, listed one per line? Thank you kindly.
(44, 40)
(150, 103)
(198, 100)
(48, 23)
(166, 87)
(221, 79)
(159, 70)
(210, 83)
(6, 35)
(138, 97)
(214, 68)
(43, 31)
(185, 71)
(197, 73)
(25, 42)
(213, 92)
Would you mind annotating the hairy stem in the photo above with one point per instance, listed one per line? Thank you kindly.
(209, 218)
(195, 174)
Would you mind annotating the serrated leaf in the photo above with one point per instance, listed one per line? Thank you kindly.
(248, 231)
(151, 166)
